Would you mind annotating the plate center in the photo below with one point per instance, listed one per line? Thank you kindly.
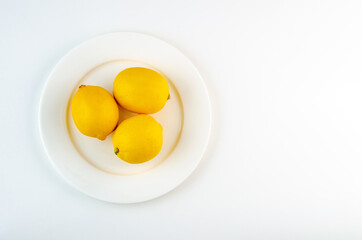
(100, 154)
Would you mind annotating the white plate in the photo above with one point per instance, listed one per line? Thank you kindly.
(90, 164)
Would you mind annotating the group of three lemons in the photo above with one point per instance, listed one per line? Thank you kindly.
(141, 90)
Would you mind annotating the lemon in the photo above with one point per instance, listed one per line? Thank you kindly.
(138, 139)
(141, 90)
(94, 111)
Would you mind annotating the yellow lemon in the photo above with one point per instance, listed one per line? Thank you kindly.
(138, 139)
(141, 90)
(94, 111)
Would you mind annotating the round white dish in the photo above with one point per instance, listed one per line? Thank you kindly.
(90, 164)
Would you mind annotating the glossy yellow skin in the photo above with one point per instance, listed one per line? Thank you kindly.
(94, 111)
(141, 90)
(138, 139)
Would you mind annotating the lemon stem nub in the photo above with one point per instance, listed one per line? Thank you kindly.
(169, 96)
(81, 86)
(116, 150)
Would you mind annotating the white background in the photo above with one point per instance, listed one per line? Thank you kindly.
(285, 157)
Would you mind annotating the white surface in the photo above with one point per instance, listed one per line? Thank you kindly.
(285, 159)
(90, 165)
